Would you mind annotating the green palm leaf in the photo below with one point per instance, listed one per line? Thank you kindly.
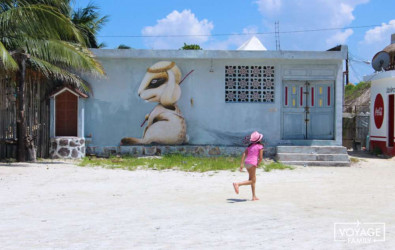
(64, 54)
(40, 35)
(7, 61)
(38, 21)
(51, 71)
(89, 22)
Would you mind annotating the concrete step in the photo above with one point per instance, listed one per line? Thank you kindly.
(312, 149)
(311, 157)
(318, 163)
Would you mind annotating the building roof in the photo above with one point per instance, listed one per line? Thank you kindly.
(73, 90)
(252, 44)
(390, 74)
(220, 54)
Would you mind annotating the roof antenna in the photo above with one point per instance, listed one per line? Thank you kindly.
(277, 34)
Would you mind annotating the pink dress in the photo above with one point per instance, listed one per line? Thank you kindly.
(253, 154)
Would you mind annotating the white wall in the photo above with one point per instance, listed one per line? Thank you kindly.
(116, 111)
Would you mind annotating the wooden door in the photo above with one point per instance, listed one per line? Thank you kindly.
(391, 124)
(66, 112)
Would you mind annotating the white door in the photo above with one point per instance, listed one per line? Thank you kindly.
(308, 110)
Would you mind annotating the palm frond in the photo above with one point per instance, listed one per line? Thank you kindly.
(89, 22)
(64, 54)
(39, 21)
(101, 45)
(56, 46)
(62, 5)
(51, 71)
(6, 59)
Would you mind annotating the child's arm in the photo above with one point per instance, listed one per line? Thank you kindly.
(260, 157)
(242, 160)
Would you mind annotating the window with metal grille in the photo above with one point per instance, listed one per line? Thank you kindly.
(249, 84)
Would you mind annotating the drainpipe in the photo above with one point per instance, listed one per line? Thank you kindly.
(347, 81)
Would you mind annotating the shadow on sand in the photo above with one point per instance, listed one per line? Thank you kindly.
(236, 200)
(367, 155)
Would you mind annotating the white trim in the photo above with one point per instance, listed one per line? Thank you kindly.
(379, 76)
(63, 90)
(54, 116)
(78, 116)
(380, 139)
(221, 54)
(82, 120)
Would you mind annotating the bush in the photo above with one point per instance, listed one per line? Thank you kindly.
(377, 151)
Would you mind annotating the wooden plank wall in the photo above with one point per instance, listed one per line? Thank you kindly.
(37, 116)
(356, 126)
(7, 119)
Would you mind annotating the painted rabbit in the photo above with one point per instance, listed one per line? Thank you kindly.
(165, 124)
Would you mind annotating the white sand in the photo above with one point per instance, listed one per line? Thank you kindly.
(62, 206)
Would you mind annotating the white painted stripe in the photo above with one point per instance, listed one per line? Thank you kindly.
(379, 139)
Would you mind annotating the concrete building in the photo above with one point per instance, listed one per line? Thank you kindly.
(195, 98)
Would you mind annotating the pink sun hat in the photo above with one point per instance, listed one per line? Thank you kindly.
(256, 137)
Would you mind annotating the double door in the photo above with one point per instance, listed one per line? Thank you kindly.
(308, 110)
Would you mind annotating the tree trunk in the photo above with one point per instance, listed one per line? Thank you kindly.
(31, 149)
(26, 148)
(24, 141)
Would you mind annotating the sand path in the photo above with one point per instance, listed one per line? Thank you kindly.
(62, 206)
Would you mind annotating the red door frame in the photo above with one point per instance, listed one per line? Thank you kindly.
(391, 106)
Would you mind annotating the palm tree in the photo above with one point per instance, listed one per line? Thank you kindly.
(89, 22)
(37, 35)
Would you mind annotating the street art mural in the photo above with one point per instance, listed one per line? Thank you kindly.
(165, 123)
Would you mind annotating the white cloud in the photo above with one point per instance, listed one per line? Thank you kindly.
(381, 34)
(295, 15)
(234, 41)
(375, 40)
(250, 30)
(269, 6)
(341, 14)
(177, 23)
(339, 38)
(304, 15)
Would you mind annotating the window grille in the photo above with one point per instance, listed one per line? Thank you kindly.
(249, 84)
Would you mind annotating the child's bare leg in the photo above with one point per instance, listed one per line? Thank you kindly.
(253, 181)
(249, 182)
(243, 183)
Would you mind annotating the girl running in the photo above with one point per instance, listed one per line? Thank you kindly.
(251, 159)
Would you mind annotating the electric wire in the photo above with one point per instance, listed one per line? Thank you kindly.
(245, 34)
(356, 74)
(355, 58)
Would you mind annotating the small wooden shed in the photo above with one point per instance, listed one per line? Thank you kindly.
(67, 117)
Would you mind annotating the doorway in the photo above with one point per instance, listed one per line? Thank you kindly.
(66, 113)
(308, 110)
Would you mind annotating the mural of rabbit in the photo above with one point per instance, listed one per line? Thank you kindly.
(165, 124)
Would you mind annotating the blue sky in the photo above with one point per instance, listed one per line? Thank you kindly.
(152, 18)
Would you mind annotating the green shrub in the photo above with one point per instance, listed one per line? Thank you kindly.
(276, 165)
(377, 151)
(170, 161)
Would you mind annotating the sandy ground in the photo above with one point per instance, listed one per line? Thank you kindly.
(63, 206)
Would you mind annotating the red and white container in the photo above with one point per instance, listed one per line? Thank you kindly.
(382, 106)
